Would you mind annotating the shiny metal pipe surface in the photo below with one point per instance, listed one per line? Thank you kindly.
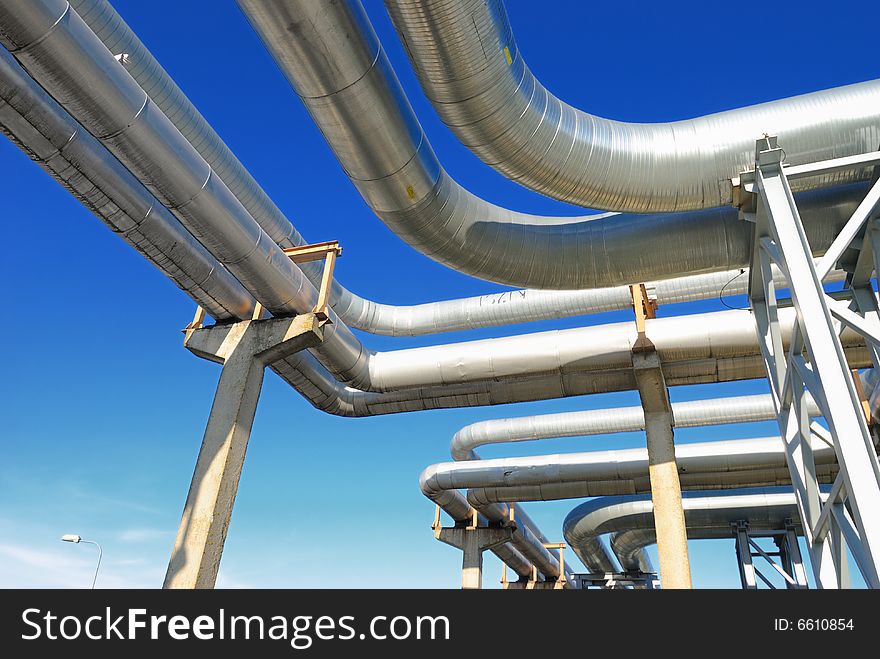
(57, 143)
(313, 381)
(707, 515)
(375, 317)
(103, 94)
(469, 65)
(622, 471)
(334, 61)
(688, 414)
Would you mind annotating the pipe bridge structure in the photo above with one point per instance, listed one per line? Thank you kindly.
(777, 202)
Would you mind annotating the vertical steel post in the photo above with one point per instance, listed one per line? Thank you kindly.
(744, 557)
(816, 362)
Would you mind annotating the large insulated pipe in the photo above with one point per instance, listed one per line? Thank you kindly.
(527, 305)
(527, 539)
(104, 95)
(343, 354)
(333, 59)
(119, 39)
(707, 515)
(723, 480)
(688, 414)
(470, 67)
(317, 385)
(375, 317)
(55, 141)
(739, 409)
(325, 394)
(694, 349)
(621, 471)
(59, 50)
(170, 246)
(445, 316)
(745, 462)
(66, 143)
(628, 548)
(100, 91)
(686, 345)
(378, 318)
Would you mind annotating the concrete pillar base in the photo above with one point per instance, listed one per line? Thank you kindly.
(244, 349)
(473, 542)
(672, 549)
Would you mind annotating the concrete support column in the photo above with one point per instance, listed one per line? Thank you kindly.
(244, 349)
(473, 542)
(675, 571)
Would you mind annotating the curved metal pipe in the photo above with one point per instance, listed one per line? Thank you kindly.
(314, 382)
(707, 515)
(468, 63)
(739, 409)
(720, 464)
(527, 538)
(103, 19)
(50, 40)
(717, 411)
(333, 59)
(622, 471)
(57, 37)
(143, 137)
(685, 344)
(375, 317)
(629, 549)
(528, 305)
(343, 354)
(151, 145)
(517, 306)
(43, 110)
(368, 315)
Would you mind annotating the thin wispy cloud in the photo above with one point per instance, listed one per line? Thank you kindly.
(24, 566)
(95, 499)
(144, 535)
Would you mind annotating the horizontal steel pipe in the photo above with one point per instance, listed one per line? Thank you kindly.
(319, 387)
(62, 147)
(688, 414)
(515, 479)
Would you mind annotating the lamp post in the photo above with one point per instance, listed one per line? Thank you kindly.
(78, 539)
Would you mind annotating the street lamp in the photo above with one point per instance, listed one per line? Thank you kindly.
(70, 537)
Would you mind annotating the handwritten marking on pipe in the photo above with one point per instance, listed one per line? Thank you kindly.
(507, 56)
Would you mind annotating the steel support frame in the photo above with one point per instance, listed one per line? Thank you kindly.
(616, 580)
(815, 362)
(790, 566)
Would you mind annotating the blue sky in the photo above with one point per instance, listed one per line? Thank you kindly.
(103, 409)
